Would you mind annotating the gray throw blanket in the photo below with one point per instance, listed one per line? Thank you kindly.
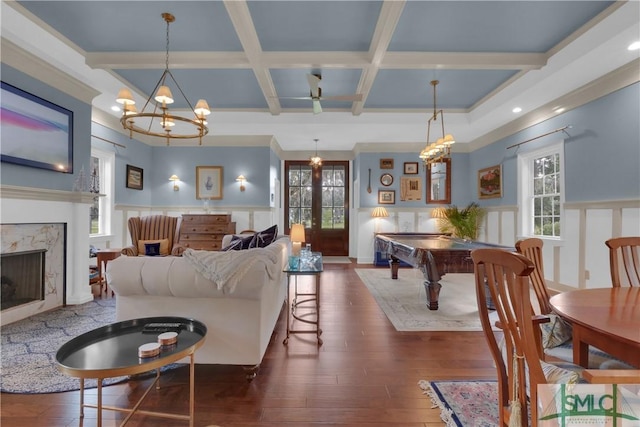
(225, 269)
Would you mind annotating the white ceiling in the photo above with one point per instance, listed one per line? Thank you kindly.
(489, 56)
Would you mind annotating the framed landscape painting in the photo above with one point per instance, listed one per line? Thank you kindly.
(490, 182)
(386, 197)
(135, 177)
(35, 132)
(209, 182)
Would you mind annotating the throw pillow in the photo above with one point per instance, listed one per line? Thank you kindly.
(152, 249)
(264, 238)
(164, 246)
(557, 331)
(239, 243)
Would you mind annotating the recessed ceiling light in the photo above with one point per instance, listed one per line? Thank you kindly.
(517, 110)
(634, 46)
(559, 110)
(115, 108)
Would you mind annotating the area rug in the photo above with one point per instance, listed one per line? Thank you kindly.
(29, 346)
(464, 403)
(404, 300)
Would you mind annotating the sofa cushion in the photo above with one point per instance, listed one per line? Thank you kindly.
(264, 238)
(239, 243)
(164, 246)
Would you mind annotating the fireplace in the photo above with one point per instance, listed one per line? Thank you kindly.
(22, 277)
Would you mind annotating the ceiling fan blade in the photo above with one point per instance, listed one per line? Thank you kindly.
(292, 97)
(313, 84)
(354, 97)
(317, 108)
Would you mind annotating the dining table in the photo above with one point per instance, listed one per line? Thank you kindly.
(606, 318)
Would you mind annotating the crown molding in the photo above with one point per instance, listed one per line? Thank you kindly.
(24, 61)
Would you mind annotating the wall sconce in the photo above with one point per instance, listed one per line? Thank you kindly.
(378, 212)
(241, 179)
(297, 238)
(175, 180)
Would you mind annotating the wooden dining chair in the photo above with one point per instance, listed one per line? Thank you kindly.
(624, 261)
(505, 277)
(555, 335)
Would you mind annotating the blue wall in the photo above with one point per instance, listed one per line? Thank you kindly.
(602, 150)
(602, 157)
(11, 174)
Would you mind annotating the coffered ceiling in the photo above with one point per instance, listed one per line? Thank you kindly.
(248, 58)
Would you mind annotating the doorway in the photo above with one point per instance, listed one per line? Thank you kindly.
(318, 199)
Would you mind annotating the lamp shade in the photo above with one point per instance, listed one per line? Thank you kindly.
(241, 178)
(164, 95)
(125, 97)
(438, 213)
(202, 108)
(297, 233)
(379, 212)
(174, 178)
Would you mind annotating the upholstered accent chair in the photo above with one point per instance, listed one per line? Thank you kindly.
(152, 230)
(624, 260)
(505, 277)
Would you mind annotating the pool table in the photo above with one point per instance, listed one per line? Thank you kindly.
(434, 254)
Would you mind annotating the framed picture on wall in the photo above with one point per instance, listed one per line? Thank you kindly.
(490, 182)
(35, 132)
(386, 163)
(209, 182)
(410, 168)
(410, 188)
(135, 177)
(386, 197)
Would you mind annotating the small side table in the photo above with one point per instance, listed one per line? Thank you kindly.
(304, 269)
(104, 256)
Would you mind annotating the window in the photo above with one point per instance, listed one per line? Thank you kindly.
(101, 172)
(541, 195)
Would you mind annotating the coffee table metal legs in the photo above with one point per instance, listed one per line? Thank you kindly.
(131, 411)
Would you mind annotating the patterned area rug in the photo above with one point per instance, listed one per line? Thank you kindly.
(404, 300)
(464, 403)
(29, 347)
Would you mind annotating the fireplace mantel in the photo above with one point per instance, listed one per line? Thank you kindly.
(22, 205)
(16, 192)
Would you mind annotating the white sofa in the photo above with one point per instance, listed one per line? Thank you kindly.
(240, 314)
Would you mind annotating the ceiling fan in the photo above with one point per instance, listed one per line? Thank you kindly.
(315, 94)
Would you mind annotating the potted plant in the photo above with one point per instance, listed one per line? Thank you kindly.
(463, 223)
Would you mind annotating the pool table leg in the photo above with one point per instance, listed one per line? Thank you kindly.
(433, 293)
(394, 263)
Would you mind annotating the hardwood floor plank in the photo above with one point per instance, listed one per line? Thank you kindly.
(365, 374)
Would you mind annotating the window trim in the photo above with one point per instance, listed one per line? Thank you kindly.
(107, 187)
(525, 189)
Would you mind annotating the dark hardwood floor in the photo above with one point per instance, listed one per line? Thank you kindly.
(365, 374)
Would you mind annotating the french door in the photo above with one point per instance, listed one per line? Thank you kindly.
(318, 198)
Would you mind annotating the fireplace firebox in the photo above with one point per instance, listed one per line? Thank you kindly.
(23, 277)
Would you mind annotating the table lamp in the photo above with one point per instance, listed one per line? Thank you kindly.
(297, 238)
(379, 212)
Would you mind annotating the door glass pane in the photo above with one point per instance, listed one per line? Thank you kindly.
(300, 195)
(333, 197)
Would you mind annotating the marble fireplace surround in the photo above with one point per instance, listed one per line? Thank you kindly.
(42, 212)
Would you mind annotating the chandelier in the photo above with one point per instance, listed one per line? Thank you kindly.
(160, 121)
(315, 161)
(437, 151)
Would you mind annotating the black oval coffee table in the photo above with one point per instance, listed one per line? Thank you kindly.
(112, 351)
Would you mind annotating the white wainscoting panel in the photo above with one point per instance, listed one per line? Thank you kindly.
(406, 222)
(598, 230)
(569, 262)
(630, 222)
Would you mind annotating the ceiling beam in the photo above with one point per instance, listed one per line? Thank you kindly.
(385, 27)
(243, 23)
(464, 61)
(156, 60)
